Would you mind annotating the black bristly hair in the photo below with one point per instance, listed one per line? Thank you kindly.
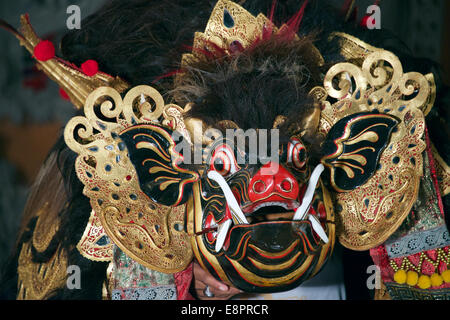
(252, 88)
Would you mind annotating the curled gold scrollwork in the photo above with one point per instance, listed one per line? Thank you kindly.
(108, 109)
(422, 87)
(144, 230)
(372, 212)
(344, 86)
(379, 81)
(84, 133)
(147, 114)
(106, 112)
(378, 76)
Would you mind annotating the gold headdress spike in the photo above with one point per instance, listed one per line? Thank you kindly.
(104, 166)
(231, 29)
(72, 80)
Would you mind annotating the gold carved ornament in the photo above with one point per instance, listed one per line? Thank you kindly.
(442, 172)
(39, 280)
(369, 214)
(146, 231)
(89, 246)
(218, 39)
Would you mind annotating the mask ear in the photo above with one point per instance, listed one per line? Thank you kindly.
(353, 147)
(152, 151)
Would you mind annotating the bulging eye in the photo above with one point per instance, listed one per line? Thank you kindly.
(223, 161)
(296, 153)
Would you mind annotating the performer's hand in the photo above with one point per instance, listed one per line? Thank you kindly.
(220, 290)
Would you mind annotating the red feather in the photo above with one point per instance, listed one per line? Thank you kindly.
(167, 75)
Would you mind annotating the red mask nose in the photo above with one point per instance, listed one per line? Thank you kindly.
(273, 183)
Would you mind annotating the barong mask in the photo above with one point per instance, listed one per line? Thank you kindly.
(262, 224)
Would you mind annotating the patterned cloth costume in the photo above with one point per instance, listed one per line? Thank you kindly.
(165, 183)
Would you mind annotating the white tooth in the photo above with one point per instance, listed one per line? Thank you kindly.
(301, 212)
(213, 223)
(222, 234)
(235, 209)
(318, 228)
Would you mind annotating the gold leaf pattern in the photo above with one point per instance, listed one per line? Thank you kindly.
(88, 247)
(443, 172)
(37, 281)
(372, 212)
(143, 229)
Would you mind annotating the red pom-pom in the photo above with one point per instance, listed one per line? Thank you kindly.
(90, 68)
(44, 50)
(63, 94)
(364, 21)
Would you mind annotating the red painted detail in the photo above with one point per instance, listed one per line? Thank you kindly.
(286, 185)
(322, 211)
(259, 187)
(63, 94)
(276, 179)
(210, 221)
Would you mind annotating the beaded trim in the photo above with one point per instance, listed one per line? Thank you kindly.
(403, 292)
(406, 264)
(154, 293)
(418, 242)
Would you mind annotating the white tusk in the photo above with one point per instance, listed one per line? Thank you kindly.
(236, 212)
(222, 234)
(318, 228)
(301, 212)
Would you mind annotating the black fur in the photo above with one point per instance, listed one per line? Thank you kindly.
(254, 87)
(141, 40)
